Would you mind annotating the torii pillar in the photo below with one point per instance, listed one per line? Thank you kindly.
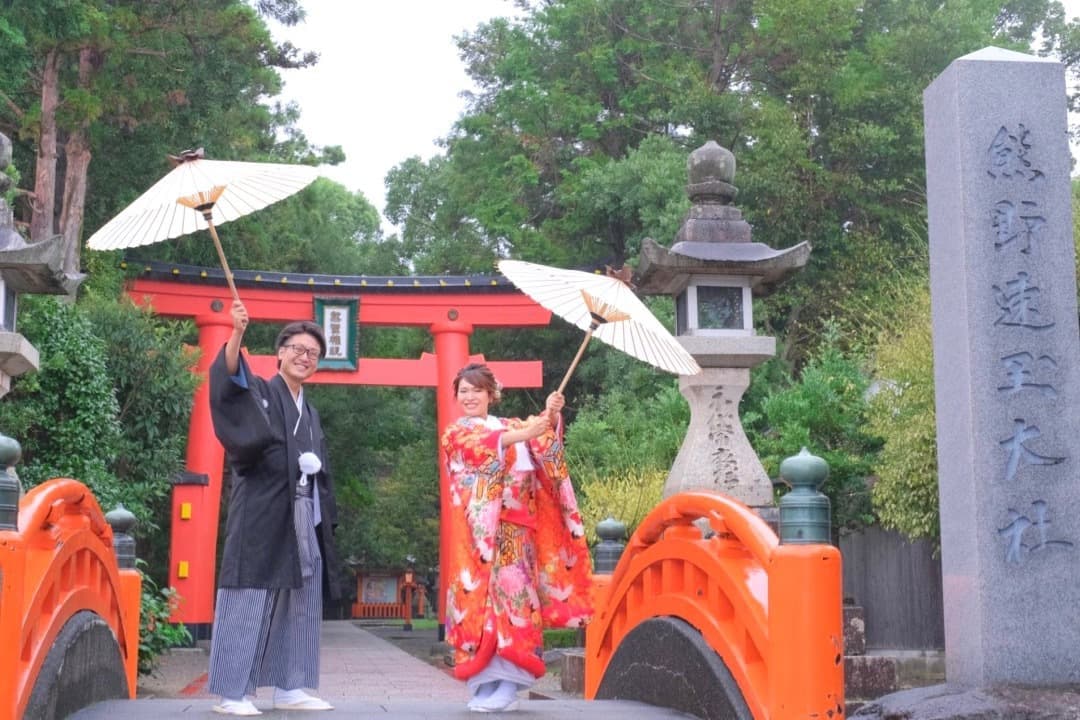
(451, 353)
(197, 494)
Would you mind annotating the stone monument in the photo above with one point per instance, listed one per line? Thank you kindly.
(1007, 383)
(713, 270)
(1007, 376)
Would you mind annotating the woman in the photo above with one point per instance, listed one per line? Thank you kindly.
(520, 563)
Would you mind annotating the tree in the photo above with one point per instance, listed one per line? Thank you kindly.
(322, 229)
(94, 68)
(568, 151)
(824, 410)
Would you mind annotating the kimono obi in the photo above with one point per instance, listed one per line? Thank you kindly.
(524, 518)
(519, 498)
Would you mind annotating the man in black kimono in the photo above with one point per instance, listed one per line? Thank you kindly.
(279, 548)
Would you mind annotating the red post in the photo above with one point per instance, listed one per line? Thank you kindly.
(408, 607)
(13, 554)
(195, 506)
(806, 632)
(451, 354)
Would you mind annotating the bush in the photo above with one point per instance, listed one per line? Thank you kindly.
(902, 412)
(65, 414)
(626, 495)
(150, 368)
(622, 430)
(555, 638)
(109, 406)
(825, 412)
(156, 633)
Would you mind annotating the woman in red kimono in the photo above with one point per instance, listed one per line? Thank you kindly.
(519, 561)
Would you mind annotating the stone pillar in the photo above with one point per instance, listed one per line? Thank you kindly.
(609, 550)
(1006, 375)
(715, 454)
(17, 355)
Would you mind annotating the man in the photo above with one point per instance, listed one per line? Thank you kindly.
(279, 548)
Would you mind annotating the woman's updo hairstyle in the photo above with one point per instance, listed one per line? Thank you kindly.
(479, 376)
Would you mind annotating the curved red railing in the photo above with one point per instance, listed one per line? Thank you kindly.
(772, 612)
(59, 562)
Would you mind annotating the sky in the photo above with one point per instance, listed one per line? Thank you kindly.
(388, 83)
(389, 80)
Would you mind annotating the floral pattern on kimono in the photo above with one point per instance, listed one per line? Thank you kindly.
(519, 561)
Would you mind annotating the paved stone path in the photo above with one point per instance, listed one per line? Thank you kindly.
(365, 676)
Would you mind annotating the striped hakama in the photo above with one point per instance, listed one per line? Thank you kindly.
(270, 636)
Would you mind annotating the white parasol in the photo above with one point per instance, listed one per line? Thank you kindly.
(199, 194)
(604, 307)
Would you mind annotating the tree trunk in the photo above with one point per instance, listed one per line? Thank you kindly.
(77, 151)
(77, 161)
(43, 206)
(720, 68)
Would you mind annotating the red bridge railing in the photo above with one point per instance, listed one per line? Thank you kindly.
(59, 562)
(772, 612)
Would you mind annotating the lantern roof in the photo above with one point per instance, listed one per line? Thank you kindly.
(714, 239)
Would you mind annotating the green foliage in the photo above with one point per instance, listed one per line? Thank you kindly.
(633, 197)
(571, 149)
(396, 514)
(555, 638)
(621, 431)
(621, 444)
(156, 633)
(424, 199)
(902, 412)
(109, 407)
(825, 412)
(627, 495)
(65, 414)
(159, 77)
(12, 172)
(150, 368)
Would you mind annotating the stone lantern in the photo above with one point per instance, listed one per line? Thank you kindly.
(713, 271)
(36, 268)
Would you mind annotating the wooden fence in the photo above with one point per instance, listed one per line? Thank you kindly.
(898, 584)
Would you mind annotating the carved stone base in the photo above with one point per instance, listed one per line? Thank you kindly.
(715, 454)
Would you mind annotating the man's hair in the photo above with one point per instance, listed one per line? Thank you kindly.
(299, 328)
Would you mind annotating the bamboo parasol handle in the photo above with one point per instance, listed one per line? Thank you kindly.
(203, 202)
(577, 358)
(221, 257)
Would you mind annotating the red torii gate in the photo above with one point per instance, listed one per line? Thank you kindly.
(450, 307)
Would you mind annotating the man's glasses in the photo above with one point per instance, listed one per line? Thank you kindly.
(301, 350)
